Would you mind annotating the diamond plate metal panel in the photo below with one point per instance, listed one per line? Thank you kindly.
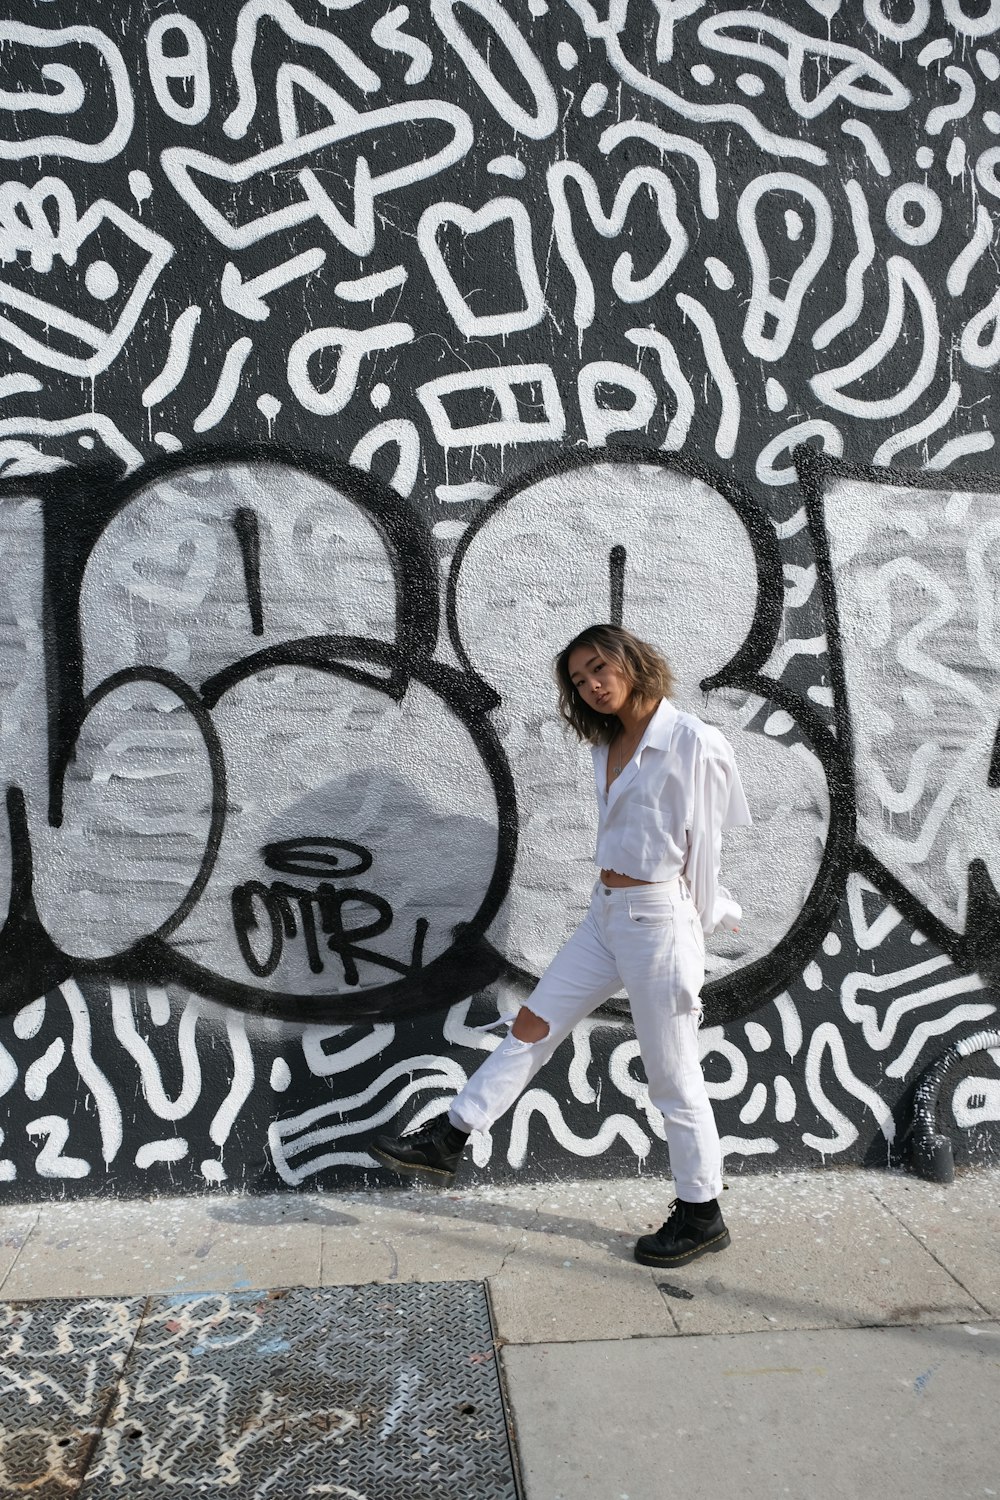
(60, 1362)
(363, 1393)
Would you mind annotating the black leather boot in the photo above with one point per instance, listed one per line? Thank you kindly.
(691, 1230)
(433, 1151)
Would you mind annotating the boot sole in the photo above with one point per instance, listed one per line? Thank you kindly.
(416, 1169)
(710, 1247)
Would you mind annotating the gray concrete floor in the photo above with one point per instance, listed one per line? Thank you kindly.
(849, 1338)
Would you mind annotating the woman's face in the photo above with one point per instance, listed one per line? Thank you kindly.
(602, 686)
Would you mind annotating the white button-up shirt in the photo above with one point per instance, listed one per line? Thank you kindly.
(665, 813)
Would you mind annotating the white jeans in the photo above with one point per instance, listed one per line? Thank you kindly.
(649, 940)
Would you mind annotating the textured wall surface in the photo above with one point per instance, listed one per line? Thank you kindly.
(354, 356)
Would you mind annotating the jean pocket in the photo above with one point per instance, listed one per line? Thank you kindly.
(647, 915)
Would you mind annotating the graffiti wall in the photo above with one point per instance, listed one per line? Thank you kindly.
(353, 356)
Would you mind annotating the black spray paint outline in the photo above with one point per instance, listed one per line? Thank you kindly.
(94, 497)
(740, 993)
(977, 949)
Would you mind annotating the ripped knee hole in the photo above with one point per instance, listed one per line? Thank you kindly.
(528, 1027)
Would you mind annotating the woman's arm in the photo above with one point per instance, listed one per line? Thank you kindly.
(717, 802)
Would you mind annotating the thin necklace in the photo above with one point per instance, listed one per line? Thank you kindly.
(623, 760)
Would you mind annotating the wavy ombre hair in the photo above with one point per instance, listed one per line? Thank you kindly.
(641, 664)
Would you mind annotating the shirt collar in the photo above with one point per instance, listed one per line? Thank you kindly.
(660, 727)
(658, 733)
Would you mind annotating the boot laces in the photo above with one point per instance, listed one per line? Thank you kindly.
(426, 1134)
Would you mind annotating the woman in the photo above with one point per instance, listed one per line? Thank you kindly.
(667, 786)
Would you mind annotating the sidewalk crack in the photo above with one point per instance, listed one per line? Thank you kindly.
(21, 1249)
(991, 1317)
(652, 1273)
(513, 1249)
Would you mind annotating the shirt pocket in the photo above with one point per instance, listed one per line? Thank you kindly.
(643, 836)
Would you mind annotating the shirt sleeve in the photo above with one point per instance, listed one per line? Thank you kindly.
(717, 802)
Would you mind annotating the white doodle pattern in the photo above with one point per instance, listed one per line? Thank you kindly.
(445, 244)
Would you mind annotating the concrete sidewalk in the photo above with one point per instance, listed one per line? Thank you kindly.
(848, 1338)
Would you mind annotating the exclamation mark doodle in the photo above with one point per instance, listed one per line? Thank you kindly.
(616, 578)
(248, 535)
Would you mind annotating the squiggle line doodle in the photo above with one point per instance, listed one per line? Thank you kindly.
(92, 423)
(664, 141)
(791, 61)
(688, 109)
(511, 329)
(290, 1139)
(535, 1101)
(829, 384)
(715, 357)
(827, 1040)
(943, 114)
(149, 1070)
(178, 355)
(283, 15)
(848, 315)
(388, 33)
(71, 95)
(496, 211)
(625, 284)
(183, 165)
(404, 435)
(971, 442)
(983, 356)
(545, 118)
(371, 288)
(874, 149)
(228, 384)
(900, 441)
(765, 307)
(964, 263)
(673, 374)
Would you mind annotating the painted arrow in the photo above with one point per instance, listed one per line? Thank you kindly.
(247, 297)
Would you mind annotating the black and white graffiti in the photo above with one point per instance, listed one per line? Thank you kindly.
(352, 357)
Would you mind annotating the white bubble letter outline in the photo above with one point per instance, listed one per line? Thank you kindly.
(182, 165)
(470, 222)
(59, 145)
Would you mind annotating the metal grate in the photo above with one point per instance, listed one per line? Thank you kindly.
(353, 1392)
(60, 1363)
